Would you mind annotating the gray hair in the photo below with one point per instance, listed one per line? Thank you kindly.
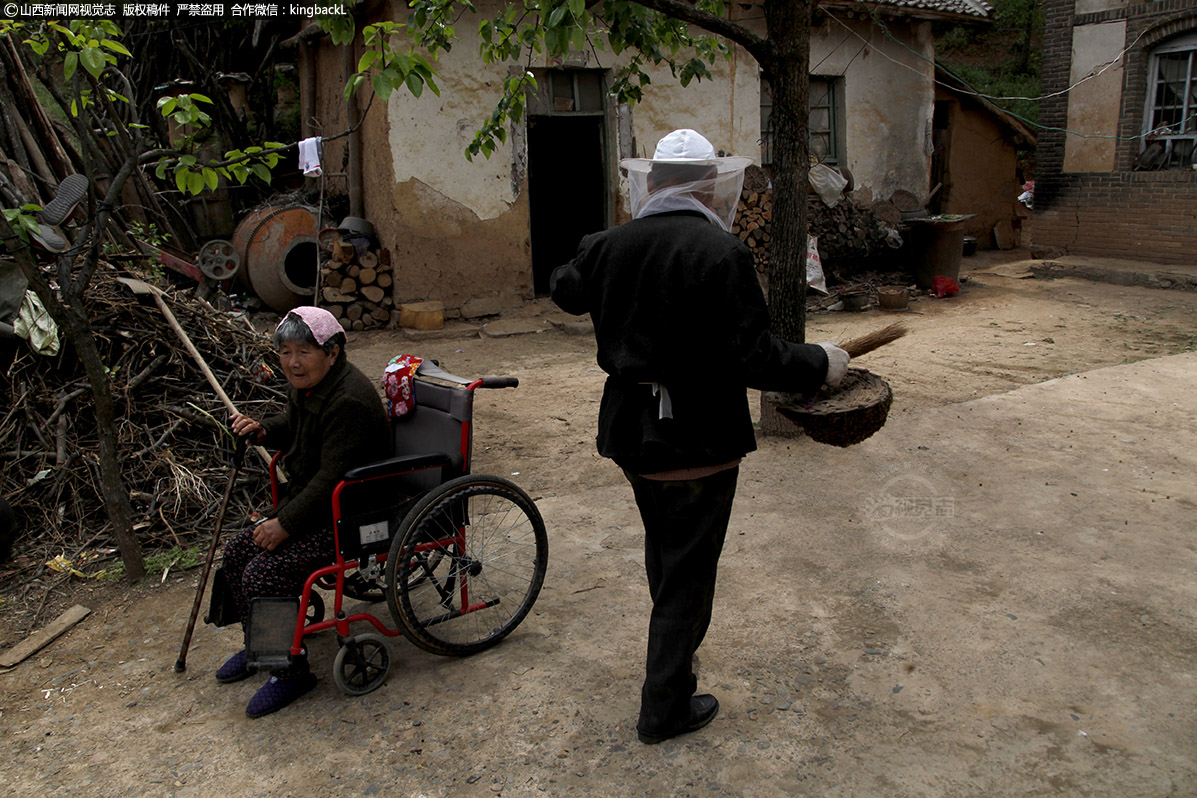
(294, 329)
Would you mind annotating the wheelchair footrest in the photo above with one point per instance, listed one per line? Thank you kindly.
(272, 623)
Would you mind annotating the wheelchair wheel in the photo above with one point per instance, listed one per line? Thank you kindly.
(362, 664)
(466, 565)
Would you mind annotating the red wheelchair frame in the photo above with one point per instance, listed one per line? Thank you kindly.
(454, 545)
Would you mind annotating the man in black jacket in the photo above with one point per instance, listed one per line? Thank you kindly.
(682, 329)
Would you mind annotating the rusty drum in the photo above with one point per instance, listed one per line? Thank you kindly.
(279, 255)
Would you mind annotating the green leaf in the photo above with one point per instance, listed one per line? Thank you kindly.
(116, 47)
(201, 98)
(92, 60)
(69, 64)
(160, 171)
(556, 16)
(367, 60)
(382, 87)
(181, 179)
(167, 105)
(415, 84)
(211, 178)
(262, 172)
(577, 7)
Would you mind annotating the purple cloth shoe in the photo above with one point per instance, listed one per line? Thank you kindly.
(234, 670)
(278, 692)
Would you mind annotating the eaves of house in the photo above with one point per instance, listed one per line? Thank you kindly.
(1015, 126)
(962, 11)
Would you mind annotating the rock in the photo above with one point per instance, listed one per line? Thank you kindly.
(484, 306)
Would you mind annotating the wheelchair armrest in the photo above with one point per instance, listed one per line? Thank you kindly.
(398, 465)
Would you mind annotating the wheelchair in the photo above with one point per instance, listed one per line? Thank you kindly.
(459, 557)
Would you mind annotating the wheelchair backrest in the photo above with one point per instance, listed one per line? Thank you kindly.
(440, 422)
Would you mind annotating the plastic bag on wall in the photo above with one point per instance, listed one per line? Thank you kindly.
(814, 266)
(827, 183)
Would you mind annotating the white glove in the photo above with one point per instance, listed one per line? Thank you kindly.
(837, 363)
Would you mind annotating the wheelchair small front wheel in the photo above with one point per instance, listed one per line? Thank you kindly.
(362, 664)
(466, 565)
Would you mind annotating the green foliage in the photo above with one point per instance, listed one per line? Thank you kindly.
(1002, 62)
(1005, 83)
(178, 558)
(93, 44)
(529, 31)
(22, 220)
(184, 109)
(193, 177)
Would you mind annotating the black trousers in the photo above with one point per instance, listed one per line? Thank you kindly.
(685, 523)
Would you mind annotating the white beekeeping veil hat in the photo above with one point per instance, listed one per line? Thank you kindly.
(685, 174)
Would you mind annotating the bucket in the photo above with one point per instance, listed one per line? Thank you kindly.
(893, 297)
(856, 300)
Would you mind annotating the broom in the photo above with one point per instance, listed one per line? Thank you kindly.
(874, 340)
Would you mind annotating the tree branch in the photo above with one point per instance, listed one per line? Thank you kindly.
(719, 26)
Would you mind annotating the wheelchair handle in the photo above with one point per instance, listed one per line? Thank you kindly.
(495, 382)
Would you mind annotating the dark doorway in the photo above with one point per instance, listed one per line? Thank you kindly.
(567, 189)
(941, 143)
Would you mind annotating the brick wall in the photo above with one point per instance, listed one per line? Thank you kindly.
(1127, 214)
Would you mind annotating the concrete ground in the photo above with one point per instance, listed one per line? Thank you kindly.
(991, 597)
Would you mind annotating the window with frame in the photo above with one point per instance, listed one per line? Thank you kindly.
(824, 120)
(1170, 120)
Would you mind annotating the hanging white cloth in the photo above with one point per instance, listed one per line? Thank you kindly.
(309, 157)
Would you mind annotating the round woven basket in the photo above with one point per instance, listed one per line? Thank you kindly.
(846, 414)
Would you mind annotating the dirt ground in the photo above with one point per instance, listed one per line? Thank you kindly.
(992, 596)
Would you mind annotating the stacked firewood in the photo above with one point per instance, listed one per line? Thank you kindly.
(357, 289)
(851, 237)
(753, 216)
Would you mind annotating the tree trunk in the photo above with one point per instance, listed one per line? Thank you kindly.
(789, 31)
(786, 69)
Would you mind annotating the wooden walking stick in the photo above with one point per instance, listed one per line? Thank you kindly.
(238, 455)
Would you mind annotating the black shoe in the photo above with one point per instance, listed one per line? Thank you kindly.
(703, 709)
(71, 192)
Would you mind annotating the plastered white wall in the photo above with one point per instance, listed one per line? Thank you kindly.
(1094, 106)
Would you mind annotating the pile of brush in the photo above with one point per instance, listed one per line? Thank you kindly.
(174, 450)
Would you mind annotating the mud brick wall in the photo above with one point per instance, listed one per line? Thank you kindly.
(1126, 214)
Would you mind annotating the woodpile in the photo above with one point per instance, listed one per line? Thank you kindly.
(357, 289)
(851, 237)
(173, 443)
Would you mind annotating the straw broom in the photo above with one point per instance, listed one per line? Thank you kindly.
(874, 340)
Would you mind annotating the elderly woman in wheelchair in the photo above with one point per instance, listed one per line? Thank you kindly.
(374, 508)
(333, 420)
